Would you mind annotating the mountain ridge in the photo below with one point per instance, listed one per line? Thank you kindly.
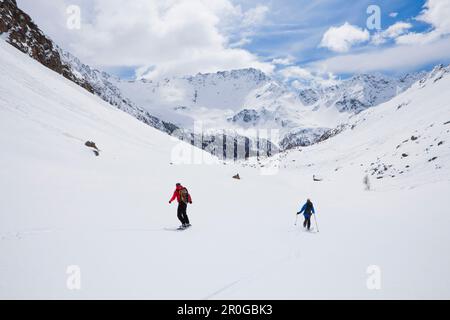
(19, 30)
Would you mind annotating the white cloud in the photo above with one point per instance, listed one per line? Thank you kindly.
(302, 76)
(283, 61)
(255, 16)
(244, 24)
(398, 58)
(393, 14)
(242, 42)
(397, 29)
(436, 13)
(164, 37)
(412, 50)
(392, 32)
(413, 38)
(341, 39)
(296, 72)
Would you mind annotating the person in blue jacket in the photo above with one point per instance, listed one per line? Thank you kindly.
(308, 211)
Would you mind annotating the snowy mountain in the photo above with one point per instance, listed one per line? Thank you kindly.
(401, 142)
(223, 104)
(63, 208)
(18, 29)
(235, 100)
(359, 92)
(102, 85)
(348, 97)
(245, 99)
(186, 97)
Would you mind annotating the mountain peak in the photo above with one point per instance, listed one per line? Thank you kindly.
(359, 92)
(248, 73)
(436, 74)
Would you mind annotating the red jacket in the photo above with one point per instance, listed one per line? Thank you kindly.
(176, 195)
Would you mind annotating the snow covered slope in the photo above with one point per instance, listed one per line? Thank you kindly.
(18, 29)
(248, 98)
(397, 141)
(63, 206)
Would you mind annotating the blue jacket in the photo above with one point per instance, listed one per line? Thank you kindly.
(305, 212)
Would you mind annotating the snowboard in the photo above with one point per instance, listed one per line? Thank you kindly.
(179, 229)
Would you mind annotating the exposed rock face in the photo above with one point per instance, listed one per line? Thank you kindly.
(332, 132)
(24, 34)
(309, 96)
(246, 116)
(302, 138)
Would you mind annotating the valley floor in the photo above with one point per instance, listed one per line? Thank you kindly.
(243, 245)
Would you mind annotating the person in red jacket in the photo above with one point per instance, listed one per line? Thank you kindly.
(183, 197)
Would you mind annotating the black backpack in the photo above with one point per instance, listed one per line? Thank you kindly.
(309, 207)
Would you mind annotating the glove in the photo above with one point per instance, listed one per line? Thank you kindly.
(190, 202)
(170, 202)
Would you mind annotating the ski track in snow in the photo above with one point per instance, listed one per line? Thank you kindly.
(21, 234)
(18, 235)
(222, 290)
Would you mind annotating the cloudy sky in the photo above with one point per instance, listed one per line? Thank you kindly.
(294, 39)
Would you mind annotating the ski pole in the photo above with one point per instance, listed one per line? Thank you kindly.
(296, 219)
(317, 226)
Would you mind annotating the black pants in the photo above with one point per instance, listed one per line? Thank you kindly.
(182, 215)
(307, 223)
